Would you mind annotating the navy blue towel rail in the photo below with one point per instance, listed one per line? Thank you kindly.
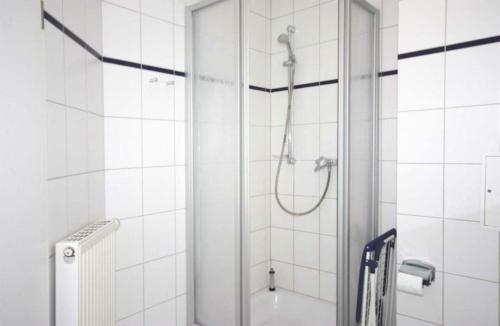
(375, 247)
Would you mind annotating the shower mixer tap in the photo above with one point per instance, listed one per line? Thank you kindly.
(324, 162)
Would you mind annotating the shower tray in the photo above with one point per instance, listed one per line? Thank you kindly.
(286, 308)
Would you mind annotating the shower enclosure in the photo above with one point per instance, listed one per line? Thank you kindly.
(282, 159)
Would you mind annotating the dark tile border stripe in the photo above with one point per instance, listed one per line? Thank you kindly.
(468, 44)
(328, 82)
(51, 19)
(299, 86)
(258, 88)
(314, 84)
(281, 89)
(419, 53)
(57, 24)
(388, 73)
(450, 47)
(119, 62)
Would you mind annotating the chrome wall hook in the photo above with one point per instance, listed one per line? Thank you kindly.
(157, 80)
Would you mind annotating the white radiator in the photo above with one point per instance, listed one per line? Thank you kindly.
(85, 276)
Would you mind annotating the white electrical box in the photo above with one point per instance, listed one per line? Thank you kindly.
(490, 191)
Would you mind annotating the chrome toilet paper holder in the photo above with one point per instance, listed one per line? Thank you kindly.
(419, 268)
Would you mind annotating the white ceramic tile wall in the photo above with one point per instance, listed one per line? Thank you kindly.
(296, 242)
(259, 30)
(388, 119)
(422, 23)
(75, 123)
(480, 20)
(116, 145)
(125, 121)
(144, 163)
(448, 118)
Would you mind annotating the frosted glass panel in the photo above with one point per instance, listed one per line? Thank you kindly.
(361, 139)
(216, 164)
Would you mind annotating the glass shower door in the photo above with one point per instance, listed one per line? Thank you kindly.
(215, 208)
(359, 142)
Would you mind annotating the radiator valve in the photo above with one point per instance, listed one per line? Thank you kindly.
(69, 252)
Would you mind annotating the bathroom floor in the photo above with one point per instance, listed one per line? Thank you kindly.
(282, 307)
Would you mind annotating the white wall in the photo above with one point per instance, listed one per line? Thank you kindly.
(23, 244)
(258, 31)
(75, 123)
(116, 145)
(388, 95)
(144, 158)
(448, 115)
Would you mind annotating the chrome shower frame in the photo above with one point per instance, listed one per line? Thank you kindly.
(344, 272)
(242, 292)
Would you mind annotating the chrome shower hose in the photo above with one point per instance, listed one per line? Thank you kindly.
(291, 75)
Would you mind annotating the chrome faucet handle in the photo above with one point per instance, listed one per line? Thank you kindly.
(324, 162)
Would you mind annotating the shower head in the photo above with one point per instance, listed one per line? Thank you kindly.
(285, 39)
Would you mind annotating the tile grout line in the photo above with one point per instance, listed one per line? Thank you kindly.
(142, 175)
(66, 106)
(65, 77)
(471, 277)
(419, 319)
(320, 66)
(140, 12)
(443, 208)
(479, 106)
(175, 175)
(140, 118)
(269, 199)
(86, 73)
(149, 214)
(149, 308)
(305, 267)
(86, 119)
(103, 143)
(292, 120)
(148, 261)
